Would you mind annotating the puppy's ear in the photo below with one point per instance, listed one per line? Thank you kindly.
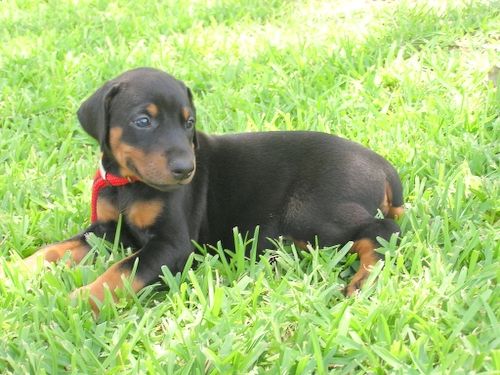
(191, 103)
(93, 114)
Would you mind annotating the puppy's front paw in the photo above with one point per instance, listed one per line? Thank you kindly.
(17, 270)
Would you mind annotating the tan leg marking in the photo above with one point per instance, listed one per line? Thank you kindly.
(112, 279)
(52, 253)
(365, 248)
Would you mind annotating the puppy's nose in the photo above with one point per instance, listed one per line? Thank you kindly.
(182, 169)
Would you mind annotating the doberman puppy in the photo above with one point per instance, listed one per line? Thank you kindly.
(173, 185)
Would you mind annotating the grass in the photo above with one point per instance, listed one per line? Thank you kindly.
(414, 81)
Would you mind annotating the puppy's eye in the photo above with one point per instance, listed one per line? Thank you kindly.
(143, 122)
(190, 123)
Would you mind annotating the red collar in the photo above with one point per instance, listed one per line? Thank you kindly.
(103, 179)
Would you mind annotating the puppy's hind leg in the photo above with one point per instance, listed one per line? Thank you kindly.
(345, 222)
(365, 245)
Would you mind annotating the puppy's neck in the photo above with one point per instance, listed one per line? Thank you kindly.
(110, 164)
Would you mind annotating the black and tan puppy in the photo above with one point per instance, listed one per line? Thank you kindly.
(174, 185)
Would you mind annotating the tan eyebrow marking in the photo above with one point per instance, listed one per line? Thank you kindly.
(185, 113)
(152, 109)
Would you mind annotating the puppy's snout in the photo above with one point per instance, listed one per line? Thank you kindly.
(182, 169)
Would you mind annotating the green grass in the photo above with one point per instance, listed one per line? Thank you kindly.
(413, 82)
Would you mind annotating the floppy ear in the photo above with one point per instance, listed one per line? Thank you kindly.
(93, 114)
(190, 96)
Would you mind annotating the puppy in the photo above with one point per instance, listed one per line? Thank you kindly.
(174, 185)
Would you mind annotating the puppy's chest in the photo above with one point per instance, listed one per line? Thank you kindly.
(139, 210)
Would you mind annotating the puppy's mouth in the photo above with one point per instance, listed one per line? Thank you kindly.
(163, 187)
(169, 185)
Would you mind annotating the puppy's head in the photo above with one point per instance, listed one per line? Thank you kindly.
(144, 121)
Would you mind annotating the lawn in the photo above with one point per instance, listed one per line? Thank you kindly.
(415, 81)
